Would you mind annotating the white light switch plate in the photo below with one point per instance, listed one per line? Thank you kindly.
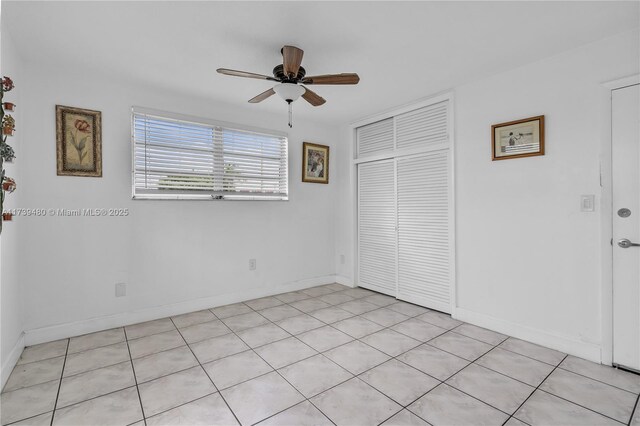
(587, 203)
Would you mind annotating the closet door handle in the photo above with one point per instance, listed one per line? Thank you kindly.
(624, 243)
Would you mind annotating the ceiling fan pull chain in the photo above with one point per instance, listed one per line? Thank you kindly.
(290, 114)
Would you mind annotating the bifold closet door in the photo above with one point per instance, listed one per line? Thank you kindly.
(423, 229)
(377, 239)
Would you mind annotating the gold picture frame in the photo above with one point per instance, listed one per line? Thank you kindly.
(78, 142)
(517, 139)
(315, 163)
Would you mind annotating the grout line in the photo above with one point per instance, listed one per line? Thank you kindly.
(534, 391)
(135, 378)
(580, 405)
(210, 379)
(353, 339)
(64, 363)
(635, 408)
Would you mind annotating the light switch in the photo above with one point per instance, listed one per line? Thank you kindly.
(587, 203)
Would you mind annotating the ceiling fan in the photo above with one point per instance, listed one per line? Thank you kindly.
(292, 78)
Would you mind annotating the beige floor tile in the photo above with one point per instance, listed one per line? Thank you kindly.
(517, 366)
(331, 314)
(193, 318)
(43, 351)
(439, 319)
(99, 357)
(238, 368)
(261, 397)
(148, 328)
(405, 418)
(227, 311)
(262, 335)
(34, 373)
(390, 342)
(176, 389)
(284, 352)
(357, 327)
(433, 361)
(163, 363)
(495, 389)
(385, 317)
(533, 351)
(95, 383)
(208, 411)
(263, 303)
(281, 312)
(597, 396)
(462, 346)
(206, 330)
(96, 340)
(118, 408)
(218, 347)
(400, 382)
(545, 409)
(303, 414)
(447, 406)
(314, 375)
(325, 338)
(299, 324)
(245, 321)
(355, 403)
(155, 343)
(28, 402)
(603, 373)
(356, 357)
(479, 333)
(418, 330)
(41, 420)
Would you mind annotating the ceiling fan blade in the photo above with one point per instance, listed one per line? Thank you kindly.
(237, 73)
(312, 97)
(291, 60)
(262, 96)
(345, 78)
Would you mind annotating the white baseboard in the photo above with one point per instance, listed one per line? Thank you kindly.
(562, 343)
(90, 325)
(11, 361)
(345, 281)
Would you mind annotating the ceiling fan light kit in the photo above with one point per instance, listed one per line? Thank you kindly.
(290, 76)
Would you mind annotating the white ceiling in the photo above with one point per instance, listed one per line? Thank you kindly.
(402, 51)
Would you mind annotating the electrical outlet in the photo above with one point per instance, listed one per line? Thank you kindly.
(252, 264)
(342, 259)
(121, 289)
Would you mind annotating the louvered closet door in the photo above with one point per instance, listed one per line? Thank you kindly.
(423, 229)
(377, 226)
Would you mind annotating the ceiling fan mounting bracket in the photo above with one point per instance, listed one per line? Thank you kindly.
(278, 73)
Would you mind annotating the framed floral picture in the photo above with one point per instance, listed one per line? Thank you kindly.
(516, 139)
(78, 141)
(315, 163)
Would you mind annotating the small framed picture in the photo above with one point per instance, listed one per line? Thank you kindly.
(315, 163)
(78, 142)
(516, 139)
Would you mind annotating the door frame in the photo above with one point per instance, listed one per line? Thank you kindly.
(606, 217)
(444, 96)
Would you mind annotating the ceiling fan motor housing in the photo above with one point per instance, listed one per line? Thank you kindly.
(278, 72)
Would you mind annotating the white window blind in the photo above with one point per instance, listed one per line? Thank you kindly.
(177, 157)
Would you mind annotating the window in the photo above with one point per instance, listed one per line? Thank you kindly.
(179, 157)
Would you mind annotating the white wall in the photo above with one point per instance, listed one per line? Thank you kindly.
(11, 289)
(528, 261)
(186, 254)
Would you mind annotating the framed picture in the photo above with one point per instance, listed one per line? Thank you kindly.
(78, 141)
(315, 163)
(516, 139)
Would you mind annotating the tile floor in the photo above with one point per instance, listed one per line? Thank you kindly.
(321, 356)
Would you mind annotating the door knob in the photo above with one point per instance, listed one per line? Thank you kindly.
(624, 243)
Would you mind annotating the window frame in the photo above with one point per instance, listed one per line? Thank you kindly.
(206, 122)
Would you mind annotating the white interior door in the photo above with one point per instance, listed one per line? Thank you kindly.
(626, 226)
(423, 230)
(377, 226)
